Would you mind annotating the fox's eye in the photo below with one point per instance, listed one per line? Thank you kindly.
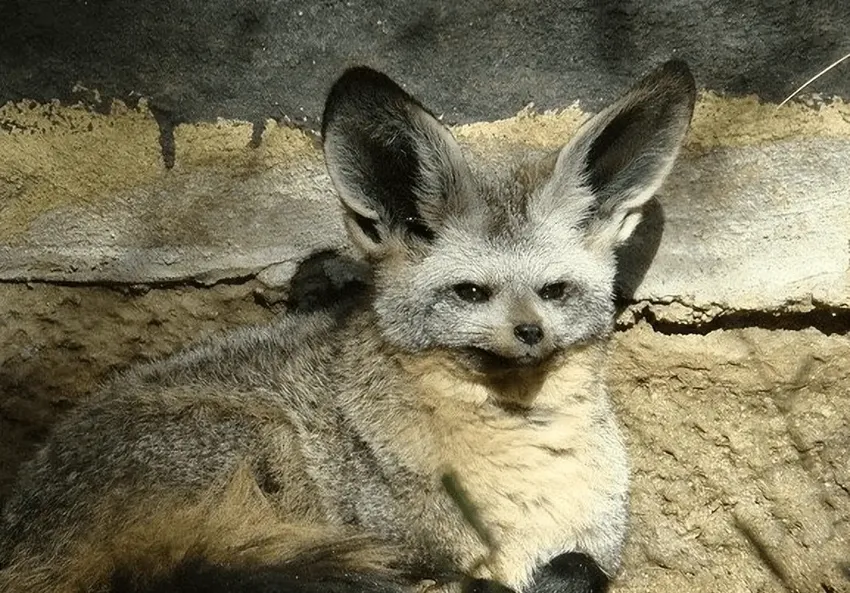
(553, 291)
(472, 293)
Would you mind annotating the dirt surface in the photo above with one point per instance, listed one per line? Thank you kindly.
(57, 343)
(718, 121)
(740, 444)
(740, 440)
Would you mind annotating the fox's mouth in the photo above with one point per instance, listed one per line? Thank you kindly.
(489, 362)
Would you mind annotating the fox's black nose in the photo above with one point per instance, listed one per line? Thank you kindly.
(528, 333)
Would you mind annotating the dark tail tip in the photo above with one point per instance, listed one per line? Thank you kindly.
(201, 576)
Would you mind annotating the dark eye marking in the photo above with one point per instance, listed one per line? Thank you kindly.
(418, 228)
(472, 293)
(553, 291)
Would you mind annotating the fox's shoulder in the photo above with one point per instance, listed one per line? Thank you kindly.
(327, 289)
(230, 356)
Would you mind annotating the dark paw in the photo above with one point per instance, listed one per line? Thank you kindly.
(570, 573)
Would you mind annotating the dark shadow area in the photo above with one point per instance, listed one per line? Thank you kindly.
(329, 280)
(257, 59)
(635, 257)
(827, 320)
(28, 408)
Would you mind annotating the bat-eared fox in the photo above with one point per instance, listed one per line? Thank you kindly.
(448, 429)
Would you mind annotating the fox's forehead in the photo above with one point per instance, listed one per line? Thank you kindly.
(516, 200)
(541, 254)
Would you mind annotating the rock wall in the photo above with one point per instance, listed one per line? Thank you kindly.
(154, 188)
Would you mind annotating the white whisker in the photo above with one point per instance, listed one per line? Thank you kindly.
(813, 78)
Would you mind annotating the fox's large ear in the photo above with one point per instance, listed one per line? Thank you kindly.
(618, 159)
(395, 167)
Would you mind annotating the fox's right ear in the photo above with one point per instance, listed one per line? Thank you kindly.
(619, 158)
(396, 168)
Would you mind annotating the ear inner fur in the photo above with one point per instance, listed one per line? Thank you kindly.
(619, 158)
(390, 159)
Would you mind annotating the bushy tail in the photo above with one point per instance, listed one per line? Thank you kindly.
(199, 576)
(309, 574)
(232, 541)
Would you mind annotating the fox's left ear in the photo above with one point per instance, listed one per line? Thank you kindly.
(622, 155)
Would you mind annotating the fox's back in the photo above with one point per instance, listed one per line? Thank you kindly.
(180, 425)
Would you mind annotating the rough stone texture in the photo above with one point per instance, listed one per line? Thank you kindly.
(103, 208)
(756, 211)
(256, 59)
(756, 228)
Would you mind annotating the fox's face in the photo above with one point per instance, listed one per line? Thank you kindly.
(501, 285)
(500, 269)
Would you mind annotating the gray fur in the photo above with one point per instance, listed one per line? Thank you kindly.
(350, 420)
